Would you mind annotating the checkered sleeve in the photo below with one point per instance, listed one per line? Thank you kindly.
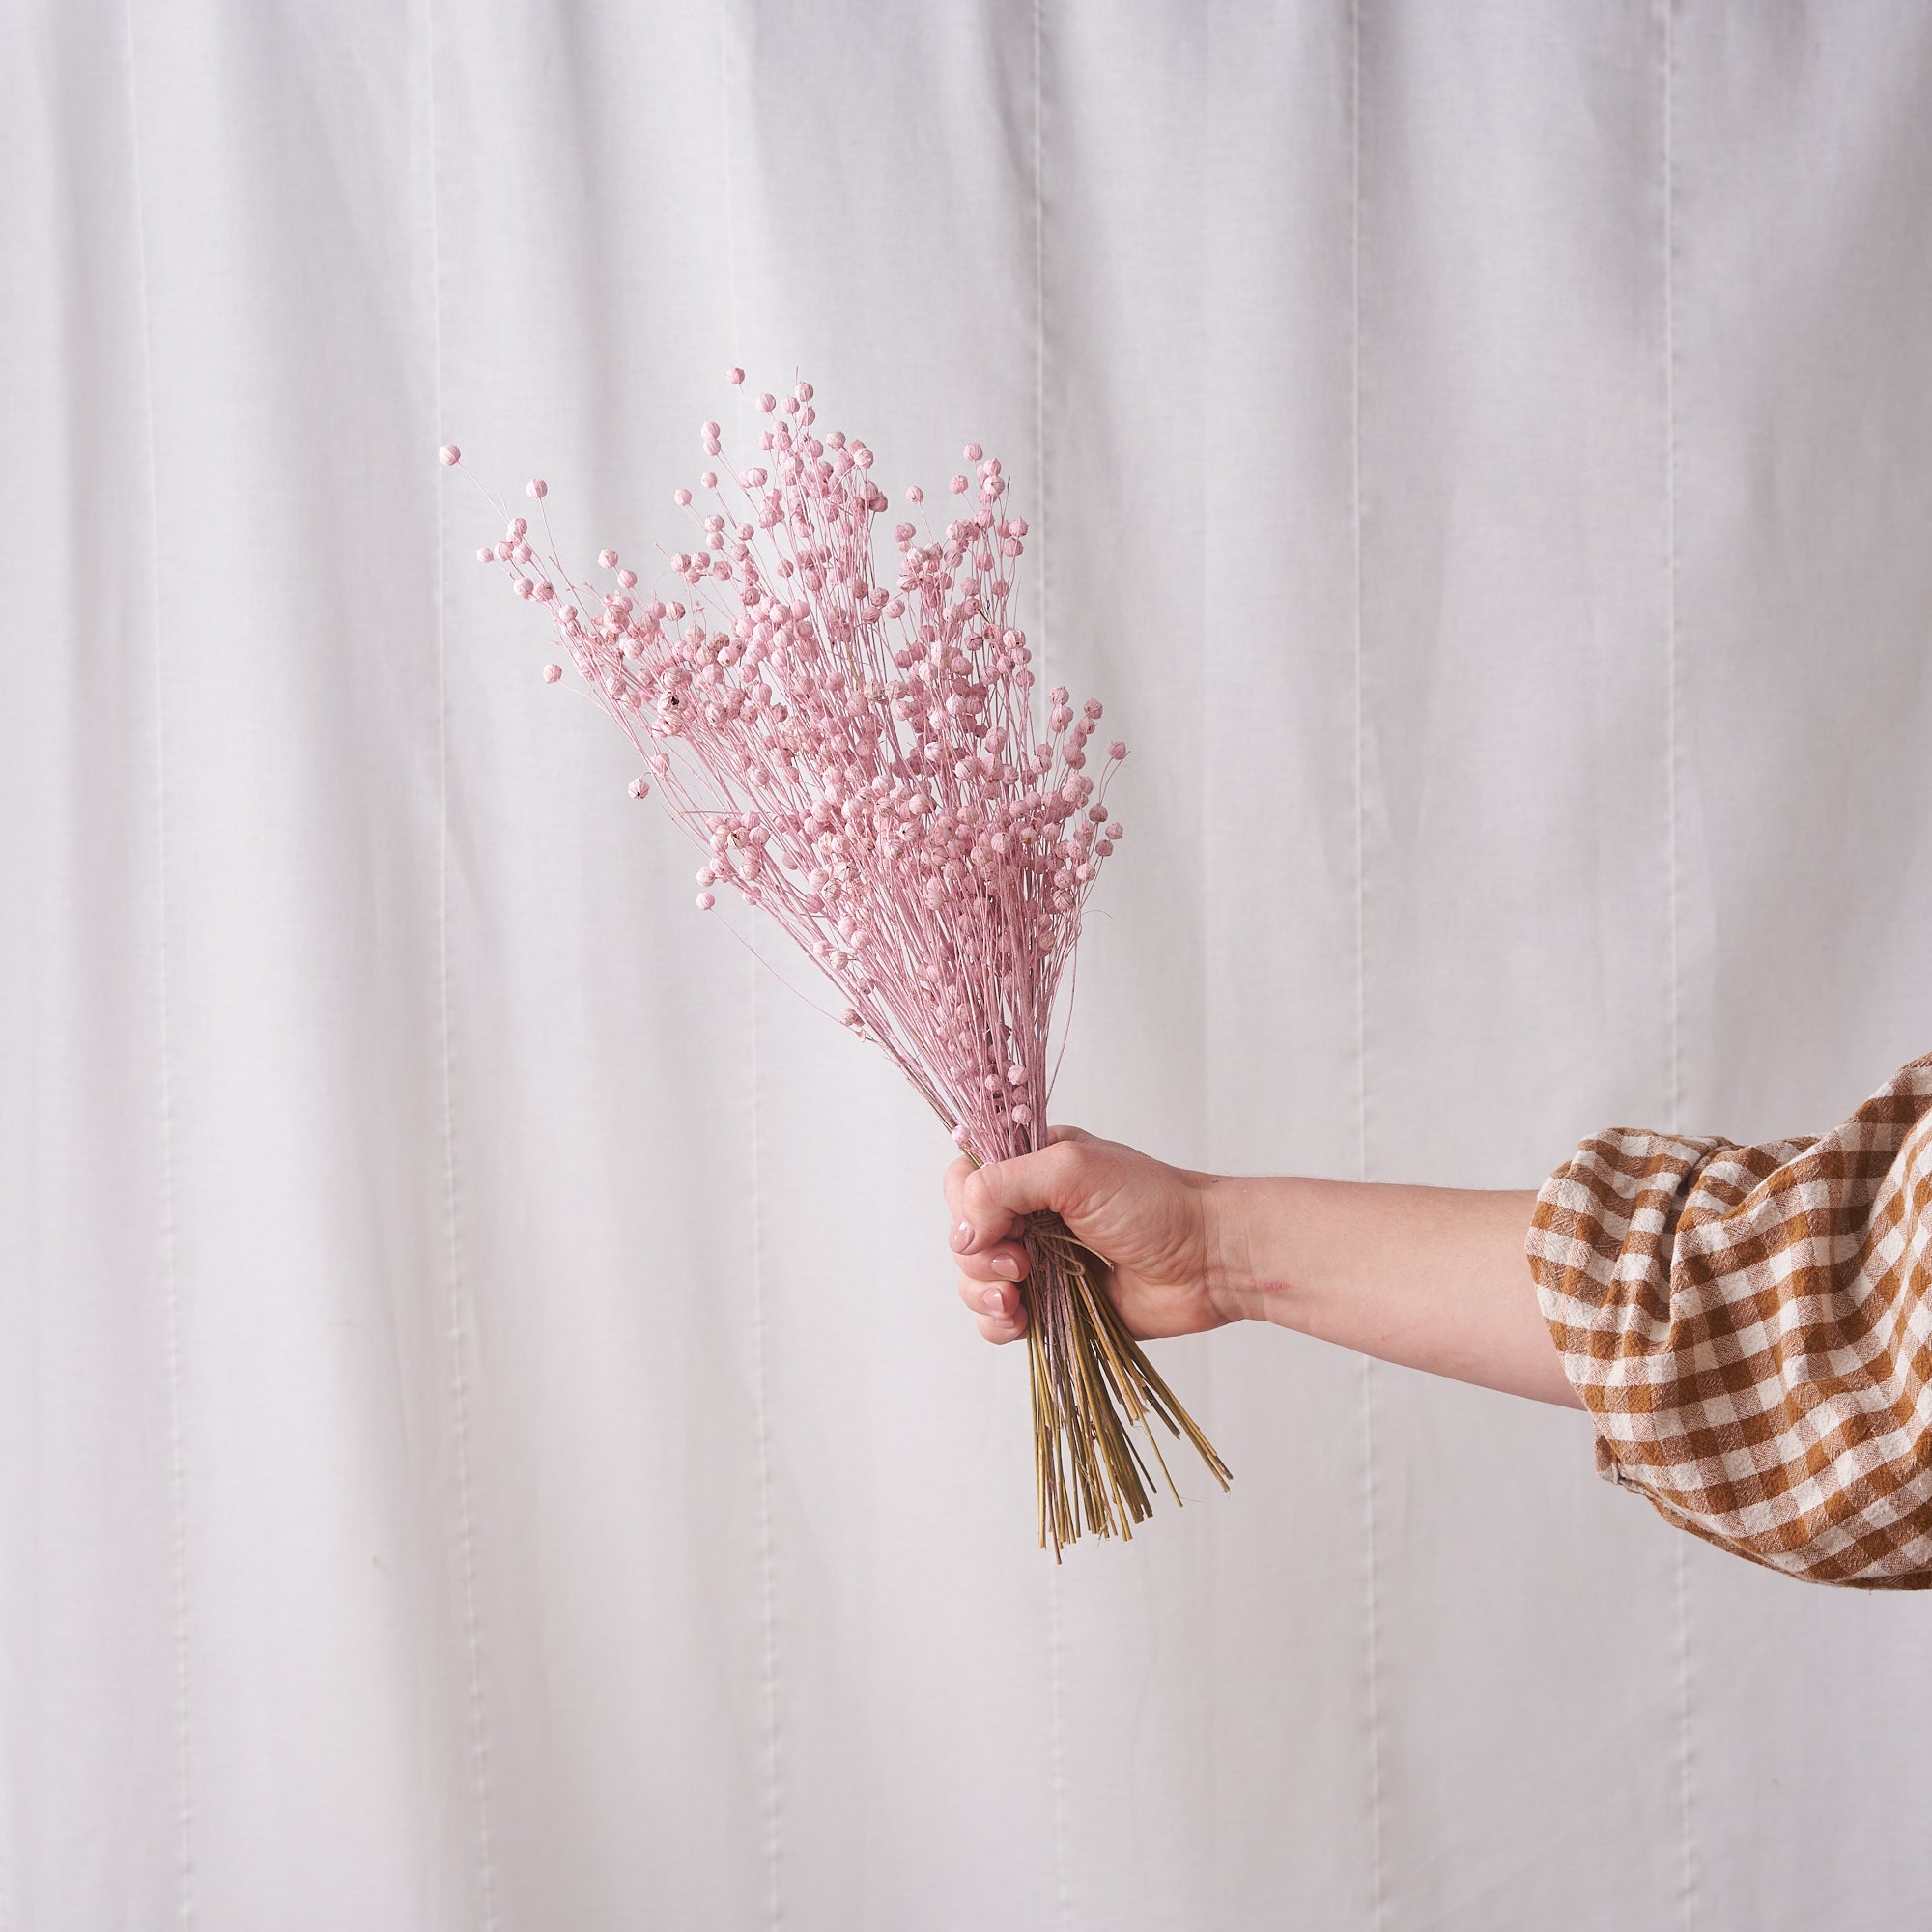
(1750, 1328)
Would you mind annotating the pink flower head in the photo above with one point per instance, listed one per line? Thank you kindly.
(841, 713)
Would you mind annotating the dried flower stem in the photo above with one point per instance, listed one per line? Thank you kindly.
(1092, 1384)
(862, 760)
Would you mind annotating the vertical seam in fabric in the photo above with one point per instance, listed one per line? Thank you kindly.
(1056, 1729)
(454, 1292)
(774, 1812)
(1212, 357)
(1667, 17)
(1039, 305)
(1687, 1878)
(774, 1796)
(169, 1242)
(1377, 1897)
(1676, 1106)
(1355, 508)
(761, 1324)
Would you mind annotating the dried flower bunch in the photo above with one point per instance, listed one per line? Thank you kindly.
(858, 761)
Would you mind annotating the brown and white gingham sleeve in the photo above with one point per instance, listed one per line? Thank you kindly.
(1750, 1328)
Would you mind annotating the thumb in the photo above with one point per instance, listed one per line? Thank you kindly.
(996, 1195)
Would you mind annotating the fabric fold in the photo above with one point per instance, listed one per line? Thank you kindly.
(1750, 1330)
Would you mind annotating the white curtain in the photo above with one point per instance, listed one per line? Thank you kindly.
(487, 1436)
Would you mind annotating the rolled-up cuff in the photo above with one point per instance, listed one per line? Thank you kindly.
(1750, 1329)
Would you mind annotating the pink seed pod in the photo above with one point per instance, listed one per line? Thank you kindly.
(552, 672)
(449, 455)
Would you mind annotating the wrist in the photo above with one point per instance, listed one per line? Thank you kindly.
(1248, 1223)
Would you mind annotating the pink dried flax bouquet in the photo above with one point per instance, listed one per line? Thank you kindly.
(860, 761)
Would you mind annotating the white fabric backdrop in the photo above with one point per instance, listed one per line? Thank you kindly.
(486, 1438)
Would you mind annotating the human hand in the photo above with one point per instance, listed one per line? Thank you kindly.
(1149, 1222)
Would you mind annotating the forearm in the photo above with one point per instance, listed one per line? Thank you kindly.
(1434, 1278)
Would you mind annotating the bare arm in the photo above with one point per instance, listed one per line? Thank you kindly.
(1432, 1277)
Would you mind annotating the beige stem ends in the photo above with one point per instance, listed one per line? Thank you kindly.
(1092, 1384)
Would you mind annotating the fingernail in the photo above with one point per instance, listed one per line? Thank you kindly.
(962, 1237)
(996, 1302)
(1007, 1265)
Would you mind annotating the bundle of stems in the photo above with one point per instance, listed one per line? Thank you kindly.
(1092, 1384)
(861, 761)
